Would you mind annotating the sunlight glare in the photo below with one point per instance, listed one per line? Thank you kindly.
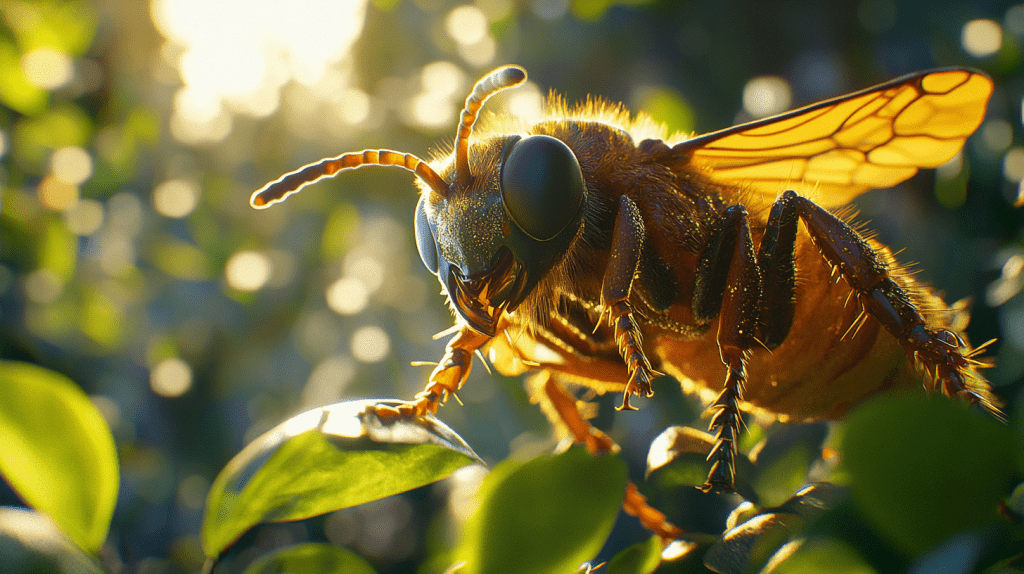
(236, 55)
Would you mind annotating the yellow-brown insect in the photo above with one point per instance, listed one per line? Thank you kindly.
(592, 249)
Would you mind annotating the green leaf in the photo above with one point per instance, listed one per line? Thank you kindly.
(678, 458)
(312, 558)
(747, 547)
(57, 451)
(784, 459)
(549, 514)
(924, 468)
(327, 459)
(822, 555)
(30, 542)
(641, 558)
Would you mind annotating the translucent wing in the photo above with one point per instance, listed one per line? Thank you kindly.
(837, 149)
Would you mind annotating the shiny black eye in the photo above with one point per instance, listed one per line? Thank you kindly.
(541, 186)
(425, 243)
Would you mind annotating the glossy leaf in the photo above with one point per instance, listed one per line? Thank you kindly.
(57, 451)
(783, 460)
(678, 458)
(327, 459)
(822, 555)
(640, 558)
(550, 514)
(311, 558)
(756, 540)
(748, 547)
(922, 469)
(30, 542)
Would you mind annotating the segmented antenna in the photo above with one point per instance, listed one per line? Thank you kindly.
(290, 183)
(506, 77)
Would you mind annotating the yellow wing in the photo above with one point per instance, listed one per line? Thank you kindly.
(837, 149)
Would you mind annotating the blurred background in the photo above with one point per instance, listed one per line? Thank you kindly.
(133, 133)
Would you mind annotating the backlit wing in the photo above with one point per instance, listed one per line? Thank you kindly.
(835, 150)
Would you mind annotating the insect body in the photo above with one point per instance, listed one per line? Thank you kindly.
(593, 250)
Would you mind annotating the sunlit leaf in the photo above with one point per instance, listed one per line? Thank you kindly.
(831, 556)
(15, 90)
(678, 458)
(924, 468)
(549, 514)
(339, 230)
(747, 547)
(686, 554)
(756, 539)
(669, 108)
(640, 558)
(58, 249)
(29, 543)
(68, 26)
(323, 460)
(181, 260)
(784, 459)
(101, 320)
(310, 559)
(57, 451)
(61, 126)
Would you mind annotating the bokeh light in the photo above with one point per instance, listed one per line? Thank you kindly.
(248, 270)
(347, 296)
(996, 135)
(175, 198)
(766, 95)
(58, 194)
(370, 344)
(1013, 164)
(467, 25)
(171, 378)
(71, 164)
(134, 133)
(981, 38)
(47, 68)
(234, 56)
(85, 218)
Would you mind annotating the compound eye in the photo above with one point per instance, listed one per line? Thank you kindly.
(425, 243)
(541, 186)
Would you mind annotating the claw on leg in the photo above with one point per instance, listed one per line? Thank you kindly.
(630, 343)
(446, 379)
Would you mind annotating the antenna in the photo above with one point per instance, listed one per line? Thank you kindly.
(290, 183)
(500, 79)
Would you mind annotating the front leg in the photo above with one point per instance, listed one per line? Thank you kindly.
(623, 266)
(447, 378)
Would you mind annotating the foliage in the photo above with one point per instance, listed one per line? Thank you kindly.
(144, 305)
(58, 454)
